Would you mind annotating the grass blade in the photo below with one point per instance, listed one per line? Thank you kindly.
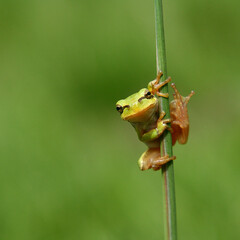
(166, 144)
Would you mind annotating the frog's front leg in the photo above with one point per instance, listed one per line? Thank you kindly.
(154, 85)
(179, 116)
(158, 131)
(153, 159)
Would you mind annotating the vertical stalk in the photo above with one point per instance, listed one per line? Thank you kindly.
(166, 143)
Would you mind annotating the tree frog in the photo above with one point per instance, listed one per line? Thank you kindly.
(141, 109)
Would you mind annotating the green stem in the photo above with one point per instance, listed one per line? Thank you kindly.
(166, 144)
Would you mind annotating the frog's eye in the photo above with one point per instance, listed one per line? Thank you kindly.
(119, 108)
(148, 95)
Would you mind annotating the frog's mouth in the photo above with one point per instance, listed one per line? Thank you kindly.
(140, 115)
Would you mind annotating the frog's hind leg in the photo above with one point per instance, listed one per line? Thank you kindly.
(179, 116)
(153, 159)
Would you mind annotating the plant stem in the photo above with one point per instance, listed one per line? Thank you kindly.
(166, 143)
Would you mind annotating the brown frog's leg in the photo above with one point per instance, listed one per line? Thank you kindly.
(152, 159)
(154, 85)
(179, 116)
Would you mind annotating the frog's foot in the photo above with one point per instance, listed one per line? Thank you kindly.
(152, 159)
(179, 116)
(162, 123)
(157, 163)
(177, 95)
(155, 85)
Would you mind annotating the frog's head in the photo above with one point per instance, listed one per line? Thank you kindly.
(137, 107)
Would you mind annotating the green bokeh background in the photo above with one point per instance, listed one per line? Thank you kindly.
(68, 162)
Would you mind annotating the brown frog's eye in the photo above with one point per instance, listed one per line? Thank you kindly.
(148, 95)
(119, 108)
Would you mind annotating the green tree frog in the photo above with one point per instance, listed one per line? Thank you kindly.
(142, 111)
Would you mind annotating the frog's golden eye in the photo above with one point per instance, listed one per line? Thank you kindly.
(119, 108)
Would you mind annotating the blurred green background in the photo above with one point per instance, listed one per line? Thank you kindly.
(68, 167)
